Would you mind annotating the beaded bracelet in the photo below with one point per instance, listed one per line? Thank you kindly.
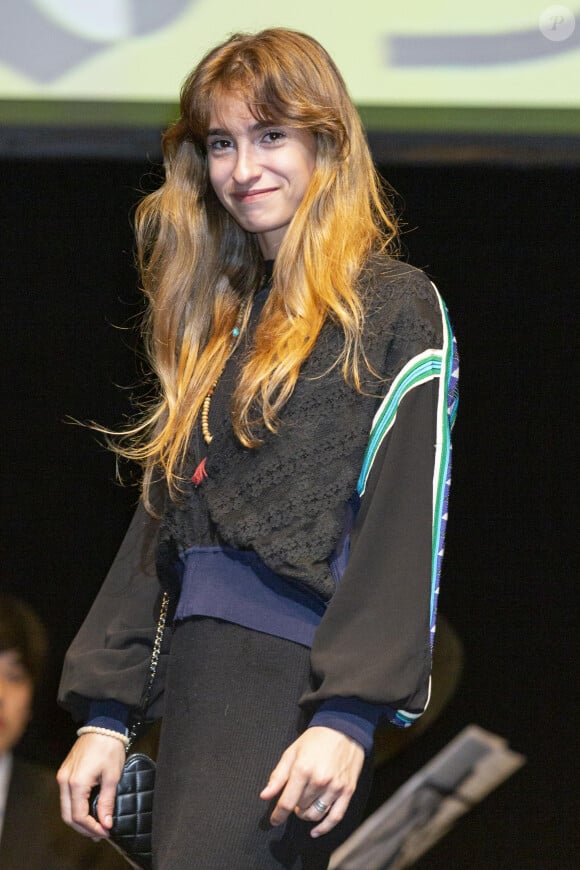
(107, 732)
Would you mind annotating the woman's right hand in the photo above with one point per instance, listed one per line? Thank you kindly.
(95, 759)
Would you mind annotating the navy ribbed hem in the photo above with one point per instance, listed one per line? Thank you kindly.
(108, 714)
(353, 717)
(236, 586)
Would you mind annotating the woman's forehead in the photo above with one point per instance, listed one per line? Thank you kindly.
(227, 107)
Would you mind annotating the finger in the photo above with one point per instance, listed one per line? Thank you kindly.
(65, 803)
(81, 820)
(278, 777)
(89, 827)
(319, 787)
(333, 817)
(93, 829)
(318, 807)
(322, 791)
(106, 803)
(290, 797)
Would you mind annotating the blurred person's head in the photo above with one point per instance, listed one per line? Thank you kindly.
(23, 648)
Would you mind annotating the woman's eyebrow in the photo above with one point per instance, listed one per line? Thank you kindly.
(221, 131)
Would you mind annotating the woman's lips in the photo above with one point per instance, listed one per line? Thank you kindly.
(250, 195)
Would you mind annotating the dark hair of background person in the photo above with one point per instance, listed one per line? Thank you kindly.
(22, 630)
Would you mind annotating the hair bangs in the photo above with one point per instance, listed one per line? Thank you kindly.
(293, 84)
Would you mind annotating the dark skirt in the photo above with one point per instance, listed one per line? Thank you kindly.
(231, 709)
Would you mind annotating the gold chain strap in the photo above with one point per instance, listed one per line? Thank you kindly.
(155, 653)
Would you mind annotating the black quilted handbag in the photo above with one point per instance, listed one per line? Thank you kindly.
(133, 813)
(131, 831)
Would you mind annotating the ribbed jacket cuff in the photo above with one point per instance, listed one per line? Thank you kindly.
(108, 714)
(353, 717)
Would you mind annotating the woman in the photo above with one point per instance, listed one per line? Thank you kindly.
(297, 455)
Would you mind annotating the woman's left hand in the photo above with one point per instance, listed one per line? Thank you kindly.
(317, 776)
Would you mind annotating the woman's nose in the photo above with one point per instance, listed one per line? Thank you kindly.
(247, 168)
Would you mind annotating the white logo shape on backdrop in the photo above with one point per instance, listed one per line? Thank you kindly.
(44, 39)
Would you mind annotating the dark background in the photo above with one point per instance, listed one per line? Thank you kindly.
(501, 240)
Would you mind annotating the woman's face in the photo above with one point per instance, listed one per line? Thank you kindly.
(16, 692)
(259, 172)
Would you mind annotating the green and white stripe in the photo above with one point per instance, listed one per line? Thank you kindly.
(431, 363)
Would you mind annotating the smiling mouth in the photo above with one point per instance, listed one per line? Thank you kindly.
(250, 195)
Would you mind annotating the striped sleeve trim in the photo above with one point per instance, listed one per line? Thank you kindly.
(404, 719)
(446, 414)
(432, 363)
(418, 370)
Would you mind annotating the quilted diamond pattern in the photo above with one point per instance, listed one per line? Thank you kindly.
(134, 808)
(131, 831)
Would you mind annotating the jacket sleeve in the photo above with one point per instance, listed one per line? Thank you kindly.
(109, 658)
(372, 650)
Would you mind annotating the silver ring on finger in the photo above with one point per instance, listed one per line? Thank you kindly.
(319, 806)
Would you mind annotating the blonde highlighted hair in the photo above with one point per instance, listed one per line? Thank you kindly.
(198, 266)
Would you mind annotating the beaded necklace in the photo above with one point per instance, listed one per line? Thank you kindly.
(200, 474)
(206, 405)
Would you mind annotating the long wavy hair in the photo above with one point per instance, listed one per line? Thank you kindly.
(198, 266)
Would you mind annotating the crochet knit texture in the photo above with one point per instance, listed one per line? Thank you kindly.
(286, 500)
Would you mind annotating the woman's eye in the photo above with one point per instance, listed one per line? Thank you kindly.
(274, 135)
(219, 144)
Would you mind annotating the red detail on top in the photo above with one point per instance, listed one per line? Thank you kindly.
(200, 474)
